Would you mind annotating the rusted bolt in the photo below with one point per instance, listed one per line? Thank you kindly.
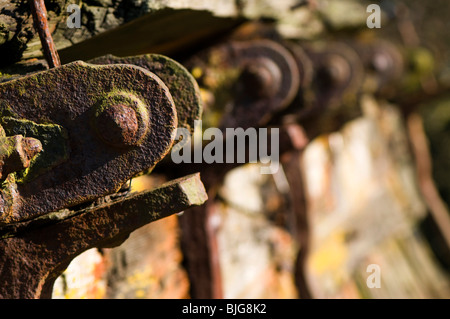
(261, 78)
(121, 120)
(334, 70)
(118, 125)
(16, 153)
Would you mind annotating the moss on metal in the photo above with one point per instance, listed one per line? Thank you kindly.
(54, 143)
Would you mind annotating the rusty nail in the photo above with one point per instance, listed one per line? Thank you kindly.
(41, 24)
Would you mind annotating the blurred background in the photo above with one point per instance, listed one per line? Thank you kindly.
(369, 185)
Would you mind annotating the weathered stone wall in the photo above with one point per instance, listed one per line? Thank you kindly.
(365, 208)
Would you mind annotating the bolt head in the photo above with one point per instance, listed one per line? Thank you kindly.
(261, 78)
(121, 120)
(334, 71)
(118, 125)
(258, 80)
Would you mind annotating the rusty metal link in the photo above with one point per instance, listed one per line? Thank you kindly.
(75, 134)
(70, 138)
(331, 98)
(270, 78)
(109, 124)
(338, 74)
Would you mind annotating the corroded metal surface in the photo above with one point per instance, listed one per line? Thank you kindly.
(70, 101)
(34, 253)
(182, 86)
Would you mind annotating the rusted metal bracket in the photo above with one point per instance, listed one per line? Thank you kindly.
(34, 253)
(333, 77)
(268, 82)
